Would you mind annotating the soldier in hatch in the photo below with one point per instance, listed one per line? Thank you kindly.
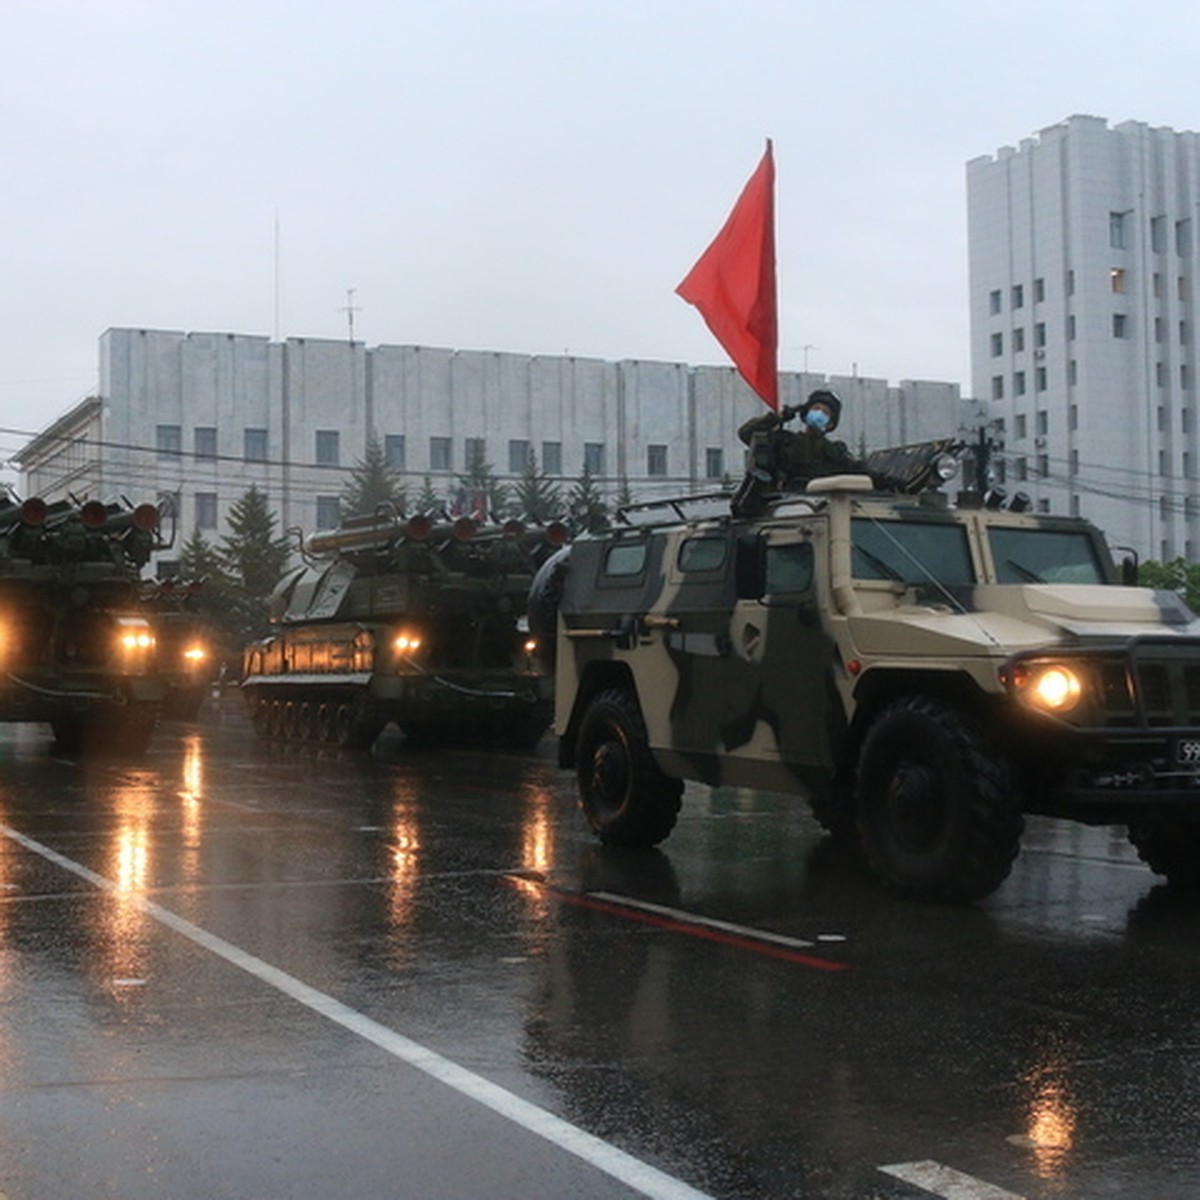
(786, 459)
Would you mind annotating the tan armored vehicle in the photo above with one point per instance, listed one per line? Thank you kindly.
(923, 674)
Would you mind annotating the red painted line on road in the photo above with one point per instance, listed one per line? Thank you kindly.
(672, 926)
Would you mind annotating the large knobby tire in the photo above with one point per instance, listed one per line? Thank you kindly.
(1169, 845)
(938, 811)
(628, 801)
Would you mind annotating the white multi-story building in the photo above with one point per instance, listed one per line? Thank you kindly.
(1083, 267)
(202, 416)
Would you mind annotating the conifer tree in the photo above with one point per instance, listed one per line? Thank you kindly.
(478, 485)
(253, 556)
(586, 506)
(536, 497)
(372, 483)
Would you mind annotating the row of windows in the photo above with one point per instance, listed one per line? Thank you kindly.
(327, 451)
(1119, 283)
(1120, 233)
(1016, 296)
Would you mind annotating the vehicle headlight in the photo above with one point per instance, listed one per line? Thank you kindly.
(135, 638)
(1051, 687)
(406, 643)
(194, 656)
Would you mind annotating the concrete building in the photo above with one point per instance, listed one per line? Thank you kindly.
(1083, 267)
(202, 416)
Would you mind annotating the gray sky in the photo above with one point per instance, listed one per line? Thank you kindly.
(524, 175)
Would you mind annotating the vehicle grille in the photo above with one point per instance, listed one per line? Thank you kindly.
(1156, 686)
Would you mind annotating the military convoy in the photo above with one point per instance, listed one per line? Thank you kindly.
(410, 621)
(924, 673)
(77, 650)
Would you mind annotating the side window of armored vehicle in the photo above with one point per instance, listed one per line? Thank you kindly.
(702, 555)
(912, 552)
(1045, 556)
(623, 562)
(789, 571)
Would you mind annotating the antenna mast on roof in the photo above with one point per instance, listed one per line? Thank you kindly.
(350, 308)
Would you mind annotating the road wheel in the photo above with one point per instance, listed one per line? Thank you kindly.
(1170, 846)
(627, 799)
(305, 719)
(937, 811)
(324, 723)
(353, 729)
(260, 717)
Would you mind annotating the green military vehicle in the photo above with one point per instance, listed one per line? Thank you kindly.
(76, 649)
(405, 620)
(924, 673)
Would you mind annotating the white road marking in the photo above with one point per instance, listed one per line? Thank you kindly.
(640, 1176)
(946, 1182)
(687, 918)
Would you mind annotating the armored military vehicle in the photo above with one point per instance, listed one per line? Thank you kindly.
(78, 653)
(416, 622)
(925, 673)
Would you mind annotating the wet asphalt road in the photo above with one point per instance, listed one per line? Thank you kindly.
(235, 969)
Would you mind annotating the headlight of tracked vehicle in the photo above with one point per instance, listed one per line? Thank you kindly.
(406, 643)
(1050, 687)
(195, 656)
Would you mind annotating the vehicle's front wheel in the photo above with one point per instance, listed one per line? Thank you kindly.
(937, 810)
(627, 799)
(1170, 846)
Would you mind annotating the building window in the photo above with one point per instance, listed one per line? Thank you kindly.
(169, 441)
(552, 458)
(1018, 296)
(656, 460)
(994, 301)
(1158, 329)
(206, 510)
(714, 462)
(1018, 383)
(1039, 379)
(1160, 374)
(1181, 288)
(1039, 290)
(1162, 418)
(1158, 234)
(1041, 423)
(329, 514)
(1073, 462)
(1071, 328)
(1018, 335)
(327, 450)
(1184, 379)
(997, 387)
(1039, 335)
(1070, 283)
(1116, 279)
(439, 454)
(518, 455)
(394, 452)
(1118, 230)
(254, 445)
(593, 458)
(1072, 373)
(204, 441)
(1183, 238)
(997, 344)
(1183, 333)
(1043, 466)
(1021, 470)
(1119, 325)
(1019, 427)
(474, 452)
(1184, 420)
(1073, 417)
(1158, 288)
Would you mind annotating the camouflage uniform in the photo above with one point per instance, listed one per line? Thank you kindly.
(795, 458)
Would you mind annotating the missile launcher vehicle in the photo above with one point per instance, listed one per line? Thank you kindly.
(408, 621)
(76, 650)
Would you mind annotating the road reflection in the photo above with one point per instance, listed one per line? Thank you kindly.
(124, 928)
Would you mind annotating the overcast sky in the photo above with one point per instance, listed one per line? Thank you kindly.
(524, 175)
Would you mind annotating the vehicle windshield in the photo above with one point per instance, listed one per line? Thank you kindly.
(1045, 556)
(912, 552)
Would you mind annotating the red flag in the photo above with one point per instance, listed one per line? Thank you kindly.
(733, 284)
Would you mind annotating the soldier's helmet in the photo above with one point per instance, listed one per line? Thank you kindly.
(830, 400)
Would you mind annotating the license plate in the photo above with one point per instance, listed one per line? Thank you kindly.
(1187, 752)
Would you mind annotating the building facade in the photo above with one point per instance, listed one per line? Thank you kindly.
(202, 416)
(1083, 268)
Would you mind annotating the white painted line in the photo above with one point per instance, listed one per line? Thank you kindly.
(687, 918)
(640, 1176)
(946, 1182)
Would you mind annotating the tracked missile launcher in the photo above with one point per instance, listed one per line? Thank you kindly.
(76, 651)
(406, 621)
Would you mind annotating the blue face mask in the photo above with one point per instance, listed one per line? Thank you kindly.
(817, 418)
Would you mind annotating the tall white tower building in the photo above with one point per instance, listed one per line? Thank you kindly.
(1083, 268)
